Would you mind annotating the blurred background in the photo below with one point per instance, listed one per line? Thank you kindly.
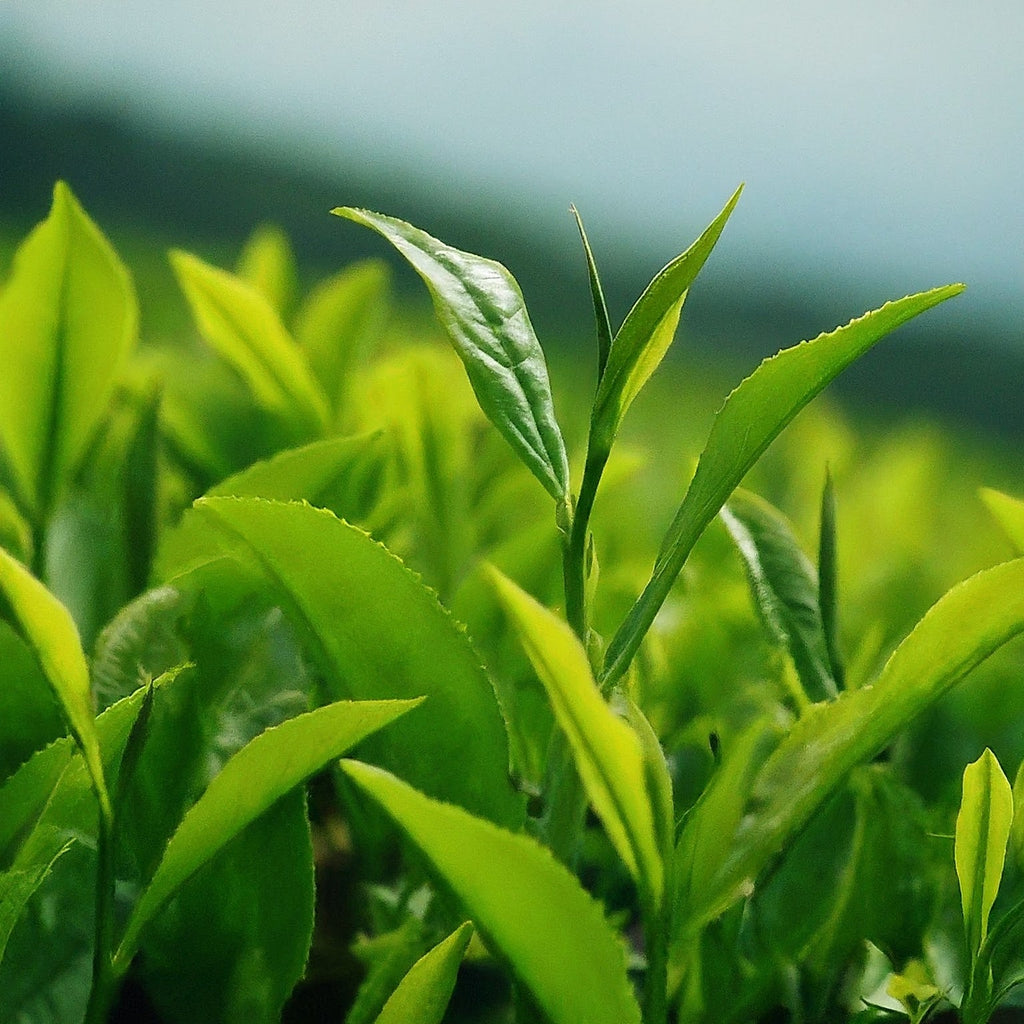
(881, 145)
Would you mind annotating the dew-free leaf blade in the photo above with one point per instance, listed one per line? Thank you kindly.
(647, 332)
(982, 832)
(602, 323)
(47, 627)
(751, 418)
(242, 326)
(268, 264)
(963, 628)
(266, 768)
(605, 748)
(68, 320)
(828, 580)
(1008, 512)
(423, 994)
(481, 307)
(16, 889)
(378, 632)
(520, 898)
(784, 585)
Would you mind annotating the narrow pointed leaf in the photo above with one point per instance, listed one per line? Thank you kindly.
(602, 323)
(607, 752)
(828, 581)
(526, 905)
(647, 332)
(481, 307)
(982, 832)
(68, 320)
(47, 627)
(377, 633)
(268, 264)
(282, 757)
(240, 324)
(753, 415)
(785, 587)
(423, 994)
(16, 889)
(1009, 513)
(962, 629)
(1017, 829)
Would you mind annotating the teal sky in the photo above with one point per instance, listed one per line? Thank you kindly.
(880, 141)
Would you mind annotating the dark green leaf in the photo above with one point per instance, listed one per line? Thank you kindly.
(828, 580)
(482, 309)
(753, 415)
(603, 324)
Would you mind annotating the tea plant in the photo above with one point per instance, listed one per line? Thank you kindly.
(526, 803)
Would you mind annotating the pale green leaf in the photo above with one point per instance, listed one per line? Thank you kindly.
(751, 418)
(15, 532)
(784, 585)
(280, 758)
(962, 629)
(423, 994)
(982, 832)
(268, 264)
(606, 750)
(1017, 829)
(68, 320)
(647, 332)
(526, 905)
(481, 307)
(378, 632)
(48, 629)
(1009, 513)
(241, 325)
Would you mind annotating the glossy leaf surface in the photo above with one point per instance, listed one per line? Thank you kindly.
(982, 832)
(481, 307)
(606, 750)
(423, 994)
(751, 418)
(970, 622)
(378, 633)
(520, 898)
(263, 771)
(68, 320)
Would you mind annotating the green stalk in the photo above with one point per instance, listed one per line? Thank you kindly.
(104, 979)
(655, 996)
(574, 557)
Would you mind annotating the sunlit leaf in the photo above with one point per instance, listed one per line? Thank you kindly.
(268, 264)
(1009, 512)
(526, 905)
(482, 309)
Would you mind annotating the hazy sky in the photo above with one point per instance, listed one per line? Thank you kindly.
(881, 139)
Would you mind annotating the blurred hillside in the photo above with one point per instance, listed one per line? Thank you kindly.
(202, 192)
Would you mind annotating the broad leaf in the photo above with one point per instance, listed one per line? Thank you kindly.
(970, 622)
(606, 750)
(982, 832)
(1009, 512)
(481, 307)
(68, 320)
(268, 264)
(47, 627)
(785, 587)
(377, 632)
(266, 768)
(751, 418)
(242, 326)
(423, 994)
(526, 905)
(646, 334)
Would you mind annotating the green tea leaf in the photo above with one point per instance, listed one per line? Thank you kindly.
(647, 332)
(606, 750)
(526, 905)
(423, 994)
(268, 264)
(68, 320)
(338, 323)
(241, 325)
(971, 621)
(982, 831)
(15, 532)
(481, 307)
(784, 585)
(753, 415)
(48, 629)
(602, 323)
(1008, 512)
(828, 581)
(264, 770)
(377, 632)
(1017, 828)
(16, 889)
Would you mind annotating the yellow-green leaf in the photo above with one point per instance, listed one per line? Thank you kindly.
(268, 264)
(527, 906)
(1009, 513)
